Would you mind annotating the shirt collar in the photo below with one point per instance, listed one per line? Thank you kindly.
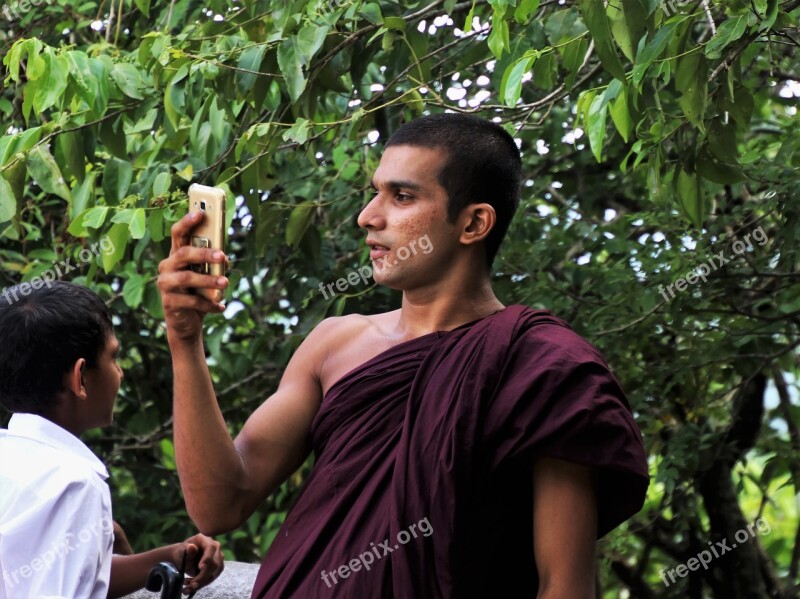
(31, 426)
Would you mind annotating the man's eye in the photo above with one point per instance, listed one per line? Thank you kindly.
(404, 197)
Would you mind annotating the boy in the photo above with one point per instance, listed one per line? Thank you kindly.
(59, 377)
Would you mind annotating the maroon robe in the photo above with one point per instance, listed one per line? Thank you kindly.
(439, 432)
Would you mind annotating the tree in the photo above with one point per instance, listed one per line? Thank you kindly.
(658, 144)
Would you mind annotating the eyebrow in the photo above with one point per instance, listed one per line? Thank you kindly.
(398, 185)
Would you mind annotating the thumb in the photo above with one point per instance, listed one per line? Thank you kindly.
(192, 552)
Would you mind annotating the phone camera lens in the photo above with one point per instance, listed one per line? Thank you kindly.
(202, 205)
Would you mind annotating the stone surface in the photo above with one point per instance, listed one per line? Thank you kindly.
(235, 582)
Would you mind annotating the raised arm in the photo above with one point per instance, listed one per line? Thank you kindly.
(223, 482)
(564, 529)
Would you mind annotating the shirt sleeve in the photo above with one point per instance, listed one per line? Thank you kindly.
(559, 399)
(60, 547)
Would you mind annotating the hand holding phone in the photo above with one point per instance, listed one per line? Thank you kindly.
(210, 233)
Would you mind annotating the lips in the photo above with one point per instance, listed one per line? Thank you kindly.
(377, 250)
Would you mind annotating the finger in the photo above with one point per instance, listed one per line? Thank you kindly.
(211, 565)
(181, 230)
(184, 256)
(182, 280)
(177, 302)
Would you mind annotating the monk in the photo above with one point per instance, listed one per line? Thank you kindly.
(463, 448)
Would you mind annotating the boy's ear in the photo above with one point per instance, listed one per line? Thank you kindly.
(74, 378)
(477, 221)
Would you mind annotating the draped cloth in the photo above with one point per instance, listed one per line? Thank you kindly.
(423, 458)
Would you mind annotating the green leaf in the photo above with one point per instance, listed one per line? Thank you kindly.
(470, 16)
(395, 23)
(81, 77)
(690, 197)
(168, 452)
(269, 217)
(175, 98)
(8, 203)
(289, 61)
(627, 20)
(118, 235)
(596, 125)
(770, 15)
(512, 87)
(155, 224)
(652, 51)
(69, 152)
(372, 12)
(250, 60)
(124, 216)
(95, 217)
(712, 168)
(544, 72)
(564, 25)
(117, 177)
(128, 79)
(81, 196)
(572, 57)
(620, 115)
(44, 170)
(299, 219)
(691, 80)
(596, 20)
(133, 290)
(144, 6)
(52, 92)
(524, 10)
(161, 184)
(14, 174)
(138, 225)
(298, 132)
(309, 41)
(498, 38)
(727, 33)
(113, 138)
(36, 66)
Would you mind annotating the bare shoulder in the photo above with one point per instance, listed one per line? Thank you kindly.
(345, 342)
(345, 329)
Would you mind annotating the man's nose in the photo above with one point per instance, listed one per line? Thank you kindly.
(371, 216)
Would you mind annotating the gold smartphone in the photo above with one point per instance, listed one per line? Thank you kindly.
(210, 233)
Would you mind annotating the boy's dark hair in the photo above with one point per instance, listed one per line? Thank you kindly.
(42, 334)
(482, 164)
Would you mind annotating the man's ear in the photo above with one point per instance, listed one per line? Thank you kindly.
(74, 379)
(477, 221)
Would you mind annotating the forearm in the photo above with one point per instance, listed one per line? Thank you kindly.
(210, 468)
(129, 572)
(580, 585)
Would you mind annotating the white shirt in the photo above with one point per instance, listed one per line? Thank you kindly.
(56, 531)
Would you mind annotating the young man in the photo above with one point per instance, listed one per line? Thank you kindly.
(59, 377)
(498, 428)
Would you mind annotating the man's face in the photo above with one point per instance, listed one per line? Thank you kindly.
(102, 383)
(406, 221)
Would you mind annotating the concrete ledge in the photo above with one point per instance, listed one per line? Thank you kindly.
(235, 582)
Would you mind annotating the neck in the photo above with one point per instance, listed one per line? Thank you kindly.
(67, 417)
(446, 307)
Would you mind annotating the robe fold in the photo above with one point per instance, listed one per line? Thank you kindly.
(423, 463)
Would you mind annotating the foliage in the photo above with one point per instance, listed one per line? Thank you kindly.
(654, 137)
